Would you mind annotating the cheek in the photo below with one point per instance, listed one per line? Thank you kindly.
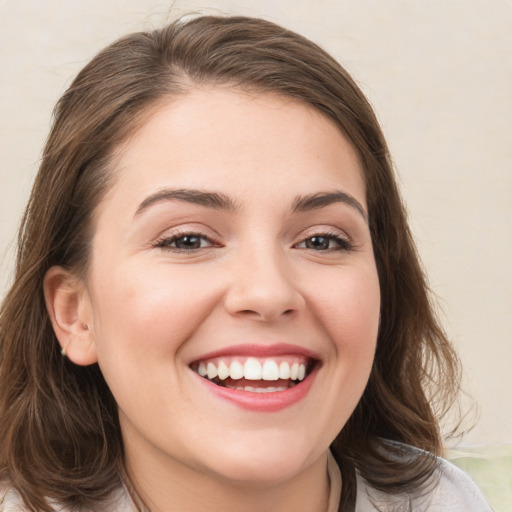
(349, 308)
(346, 306)
(142, 308)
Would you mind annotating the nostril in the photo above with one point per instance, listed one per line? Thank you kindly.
(249, 312)
(267, 315)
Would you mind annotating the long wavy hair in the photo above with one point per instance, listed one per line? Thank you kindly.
(59, 428)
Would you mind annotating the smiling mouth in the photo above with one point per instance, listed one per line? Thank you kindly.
(255, 374)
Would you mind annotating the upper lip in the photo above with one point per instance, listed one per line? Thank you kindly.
(258, 350)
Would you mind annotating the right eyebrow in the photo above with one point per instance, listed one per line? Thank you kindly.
(215, 200)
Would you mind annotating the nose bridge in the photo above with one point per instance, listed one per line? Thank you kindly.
(262, 282)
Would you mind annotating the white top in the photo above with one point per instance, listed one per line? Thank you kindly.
(454, 492)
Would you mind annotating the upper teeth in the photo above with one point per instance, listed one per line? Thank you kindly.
(253, 369)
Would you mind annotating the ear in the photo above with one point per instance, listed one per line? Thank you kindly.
(68, 305)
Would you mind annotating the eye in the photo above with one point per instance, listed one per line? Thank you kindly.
(325, 242)
(185, 242)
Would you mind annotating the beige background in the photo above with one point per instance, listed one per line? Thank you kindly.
(439, 73)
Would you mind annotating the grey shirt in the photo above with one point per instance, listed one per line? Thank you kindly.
(453, 492)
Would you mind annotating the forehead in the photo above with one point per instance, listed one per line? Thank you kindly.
(219, 137)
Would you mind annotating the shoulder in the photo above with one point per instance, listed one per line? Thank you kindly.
(10, 500)
(450, 490)
(456, 491)
(119, 501)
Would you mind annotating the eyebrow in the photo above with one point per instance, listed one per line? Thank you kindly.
(322, 199)
(219, 201)
(215, 200)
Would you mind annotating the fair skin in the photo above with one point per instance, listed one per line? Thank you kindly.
(259, 270)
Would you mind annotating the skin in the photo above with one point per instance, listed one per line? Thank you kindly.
(146, 310)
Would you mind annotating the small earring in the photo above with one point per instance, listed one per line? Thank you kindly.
(63, 352)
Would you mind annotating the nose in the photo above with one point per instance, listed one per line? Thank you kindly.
(263, 287)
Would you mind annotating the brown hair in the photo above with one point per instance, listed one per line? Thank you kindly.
(58, 421)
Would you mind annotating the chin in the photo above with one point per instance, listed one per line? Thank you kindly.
(270, 460)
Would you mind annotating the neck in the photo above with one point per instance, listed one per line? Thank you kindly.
(169, 484)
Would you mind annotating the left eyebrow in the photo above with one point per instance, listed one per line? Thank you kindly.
(322, 199)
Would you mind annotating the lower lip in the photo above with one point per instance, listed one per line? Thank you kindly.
(262, 402)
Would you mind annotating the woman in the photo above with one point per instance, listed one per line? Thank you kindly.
(217, 302)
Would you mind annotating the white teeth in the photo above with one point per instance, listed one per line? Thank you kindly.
(284, 370)
(262, 390)
(202, 369)
(223, 371)
(252, 369)
(236, 370)
(211, 371)
(270, 370)
(253, 389)
(294, 371)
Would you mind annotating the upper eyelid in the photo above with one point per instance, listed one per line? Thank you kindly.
(325, 231)
(188, 229)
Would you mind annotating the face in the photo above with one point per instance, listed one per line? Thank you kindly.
(232, 297)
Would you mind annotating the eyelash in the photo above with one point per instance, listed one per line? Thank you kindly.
(343, 244)
(165, 242)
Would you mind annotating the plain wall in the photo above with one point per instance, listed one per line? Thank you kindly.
(439, 74)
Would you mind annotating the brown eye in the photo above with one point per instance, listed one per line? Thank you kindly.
(318, 243)
(325, 242)
(187, 242)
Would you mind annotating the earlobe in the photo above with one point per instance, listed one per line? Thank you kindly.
(68, 306)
